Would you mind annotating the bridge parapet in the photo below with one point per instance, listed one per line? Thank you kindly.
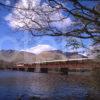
(82, 63)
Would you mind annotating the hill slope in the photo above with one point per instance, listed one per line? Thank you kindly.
(26, 57)
(17, 56)
(51, 55)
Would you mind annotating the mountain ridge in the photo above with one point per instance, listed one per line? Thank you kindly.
(27, 57)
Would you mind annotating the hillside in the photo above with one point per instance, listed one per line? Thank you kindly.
(17, 56)
(51, 55)
(26, 57)
(74, 55)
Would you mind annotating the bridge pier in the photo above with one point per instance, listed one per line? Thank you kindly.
(30, 69)
(54, 70)
(21, 69)
(14, 68)
(43, 70)
(64, 71)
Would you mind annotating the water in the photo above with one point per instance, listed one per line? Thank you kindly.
(14, 84)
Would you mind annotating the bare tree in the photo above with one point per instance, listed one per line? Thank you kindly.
(56, 18)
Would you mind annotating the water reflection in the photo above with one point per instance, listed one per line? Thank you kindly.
(14, 84)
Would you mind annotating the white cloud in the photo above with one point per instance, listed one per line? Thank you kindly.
(39, 48)
(19, 18)
(33, 3)
(62, 24)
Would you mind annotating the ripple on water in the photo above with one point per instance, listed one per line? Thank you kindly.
(58, 87)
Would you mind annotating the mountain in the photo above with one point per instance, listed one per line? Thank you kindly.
(26, 57)
(50, 55)
(17, 56)
(74, 55)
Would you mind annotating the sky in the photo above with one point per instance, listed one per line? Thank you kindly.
(18, 40)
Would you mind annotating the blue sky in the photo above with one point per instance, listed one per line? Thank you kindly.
(12, 39)
(8, 35)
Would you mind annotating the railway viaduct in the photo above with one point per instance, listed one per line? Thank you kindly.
(62, 66)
